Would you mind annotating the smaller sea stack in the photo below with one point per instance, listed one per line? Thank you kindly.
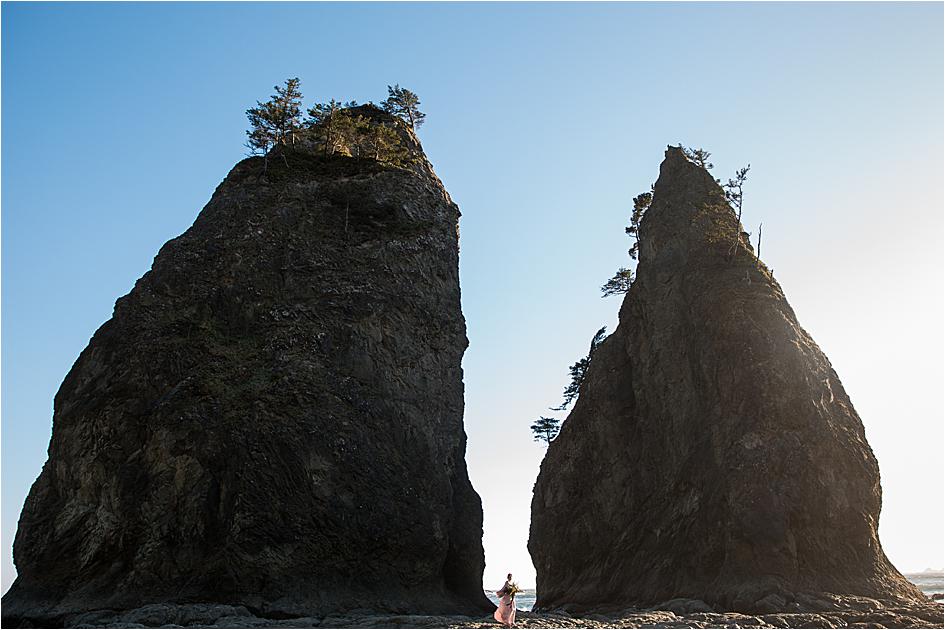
(713, 455)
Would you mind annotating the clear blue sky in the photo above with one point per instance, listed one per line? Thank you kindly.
(119, 120)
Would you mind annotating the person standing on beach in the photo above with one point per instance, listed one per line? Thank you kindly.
(505, 613)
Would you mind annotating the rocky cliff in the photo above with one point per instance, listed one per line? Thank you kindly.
(713, 456)
(273, 416)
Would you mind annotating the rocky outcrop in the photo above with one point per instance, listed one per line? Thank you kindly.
(272, 419)
(713, 456)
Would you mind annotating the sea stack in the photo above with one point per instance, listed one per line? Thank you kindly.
(272, 419)
(712, 455)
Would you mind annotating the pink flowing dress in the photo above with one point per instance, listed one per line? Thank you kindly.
(505, 613)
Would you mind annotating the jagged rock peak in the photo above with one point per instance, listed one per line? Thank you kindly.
(713, 456)
(272, 418)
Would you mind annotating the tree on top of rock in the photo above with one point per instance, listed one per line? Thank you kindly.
(619, 284)
(735, 195)
(276, 121)
(405, 104)
(330, 122)
(640, 205)
(546, 429)
(621, 281)
(700, 156)
(579, 370)
(376, 140)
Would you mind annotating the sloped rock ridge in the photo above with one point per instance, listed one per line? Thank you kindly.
(272, 419)
(713, 456)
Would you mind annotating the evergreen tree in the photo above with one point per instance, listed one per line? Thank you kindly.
(321, 120)
(336, 128)
(276, 121)
(359, 137)
(405, 104)
(380, 142)
(698, 156)
(619, 284)
(546, 429)
(259, 141)
(734, 189)
(331, 124)
(621, 281)
(640, 205)
(579, 370)
(734, 194)
(288, 109)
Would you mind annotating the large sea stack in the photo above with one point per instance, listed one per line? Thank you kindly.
(273, 417)
(713, 455)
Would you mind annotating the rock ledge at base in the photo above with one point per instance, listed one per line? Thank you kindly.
(203, 616)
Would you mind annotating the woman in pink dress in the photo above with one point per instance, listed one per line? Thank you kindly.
(505, 613)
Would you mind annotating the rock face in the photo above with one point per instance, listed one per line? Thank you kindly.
(273, 416)
(713, 454)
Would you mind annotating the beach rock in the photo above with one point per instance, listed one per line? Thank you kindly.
(713, 453)
(273, 416)
(681, 606)
(629, 619)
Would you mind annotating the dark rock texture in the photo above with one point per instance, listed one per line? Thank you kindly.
(273, 417)
(713, 455)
